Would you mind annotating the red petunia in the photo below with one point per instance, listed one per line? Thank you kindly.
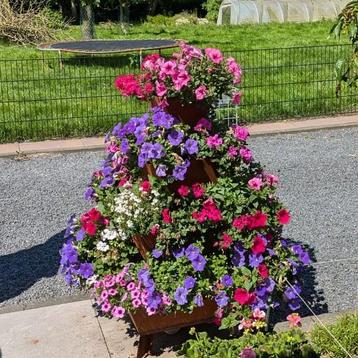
(226, 241)
(183, 190)
(211, 210)
(166, 216)
(263, 270)
(146, 186)
(283, 216)
(241, 222)
(199, 216)
(154, 230)
(258, 220)
(198, 190)
(259, 245)
(90, 228)
(94, 215)
(244, 297)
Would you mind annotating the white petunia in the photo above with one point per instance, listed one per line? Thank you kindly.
(102, 246)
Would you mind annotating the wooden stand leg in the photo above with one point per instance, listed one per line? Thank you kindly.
(145, 344)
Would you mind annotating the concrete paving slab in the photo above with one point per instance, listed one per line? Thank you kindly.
(62, 331)
(9, 149)
(309, 322)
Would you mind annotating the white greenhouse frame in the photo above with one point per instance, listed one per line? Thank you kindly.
(235, 12)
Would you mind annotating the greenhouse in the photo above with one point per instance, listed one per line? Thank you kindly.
(235, 12)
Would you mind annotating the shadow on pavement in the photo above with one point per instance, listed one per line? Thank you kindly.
(22, 269)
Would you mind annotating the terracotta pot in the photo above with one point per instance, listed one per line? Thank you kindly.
(147, 325)
(188, 113)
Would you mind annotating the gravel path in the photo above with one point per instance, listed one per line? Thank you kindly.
(318, 173)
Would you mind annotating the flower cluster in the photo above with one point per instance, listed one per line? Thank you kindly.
(191, 75)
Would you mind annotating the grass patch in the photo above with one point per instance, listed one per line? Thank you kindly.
(346, 332)
(44, 98)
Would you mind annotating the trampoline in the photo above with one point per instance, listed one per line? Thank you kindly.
(108, 46)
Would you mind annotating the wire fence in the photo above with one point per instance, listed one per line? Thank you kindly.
(57, 97)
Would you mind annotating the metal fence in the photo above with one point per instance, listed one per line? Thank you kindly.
(55, 97)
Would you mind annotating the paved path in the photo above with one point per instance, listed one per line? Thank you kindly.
(318, 172)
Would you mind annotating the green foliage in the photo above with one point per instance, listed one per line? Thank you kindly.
(54, 19)
(347, 23)
(281, 345)
(346, 332)
(160, 20)
(212, 8)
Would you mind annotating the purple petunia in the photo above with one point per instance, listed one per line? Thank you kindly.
(180, 295)
(157, 253)
(179, 253)
(162, 119)
(189, 282)
(86, 270)
(161, 170)
(80, 234)
(221, 299)
(227, 281)
(255, 260)
(106, 182)
(192, 252)
(89, 193)
(180, 170)
(290, 293)
(156, 151)
(199, 263)
(154, 300)
(124, 146)
(198, 300)
(294, 304)
(191, 146)
(238, 258)
(175, 137)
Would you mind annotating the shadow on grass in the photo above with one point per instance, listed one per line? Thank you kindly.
(22, 269)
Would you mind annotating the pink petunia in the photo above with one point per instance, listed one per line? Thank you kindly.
(255, 184)
(160, 89)
(200, 92)
(214, 55)
(294, 320)
(214, 141)
(236, 98)
(240, 133)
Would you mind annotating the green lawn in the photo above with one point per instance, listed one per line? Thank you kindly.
(42, 99)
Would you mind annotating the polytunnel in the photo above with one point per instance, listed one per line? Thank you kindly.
(235, 12)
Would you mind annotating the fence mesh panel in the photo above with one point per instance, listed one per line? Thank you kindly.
(69, 96)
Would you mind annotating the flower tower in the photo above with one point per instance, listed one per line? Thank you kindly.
(186, 226)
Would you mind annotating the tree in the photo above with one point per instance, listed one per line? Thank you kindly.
(87, 17)
(347, 22)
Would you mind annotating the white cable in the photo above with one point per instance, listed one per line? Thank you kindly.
(320, 322)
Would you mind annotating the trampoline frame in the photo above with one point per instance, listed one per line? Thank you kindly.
(45, 47)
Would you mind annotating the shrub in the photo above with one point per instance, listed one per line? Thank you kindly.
(27, 22)
(292, 343)
(212, 8)
(346, 332)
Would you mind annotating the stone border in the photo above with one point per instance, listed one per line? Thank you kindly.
(95, 143)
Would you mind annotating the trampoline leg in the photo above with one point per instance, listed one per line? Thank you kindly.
(60, 59)
(140, 58)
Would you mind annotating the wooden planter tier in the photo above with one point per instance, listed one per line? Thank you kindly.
(148, 325)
